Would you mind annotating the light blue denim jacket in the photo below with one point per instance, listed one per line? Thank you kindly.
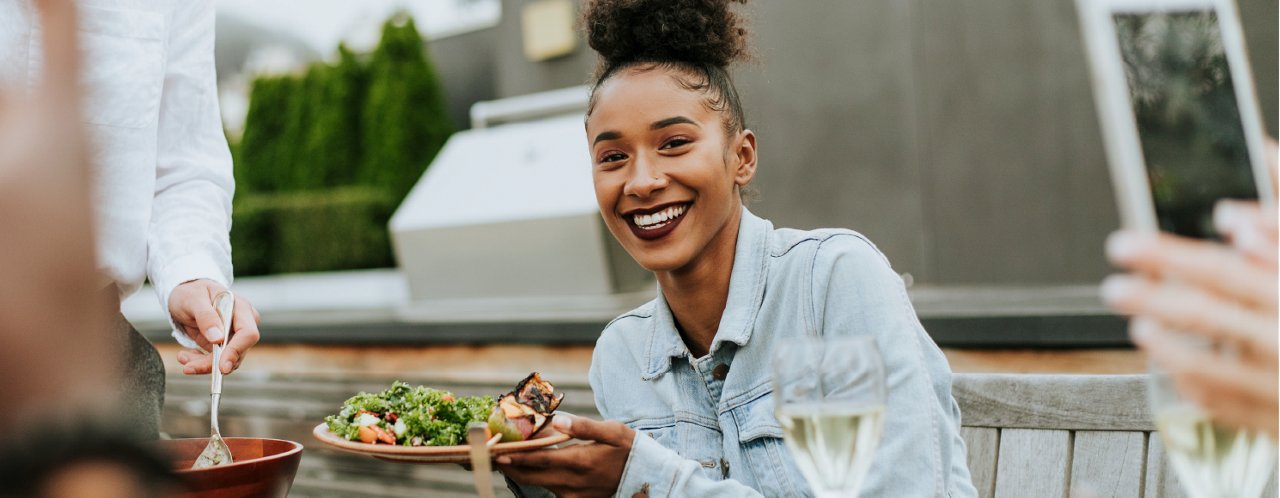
(699, 435)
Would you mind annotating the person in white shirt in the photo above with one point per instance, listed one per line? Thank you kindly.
(163, 184)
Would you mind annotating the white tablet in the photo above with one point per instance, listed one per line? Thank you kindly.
(1178, 110)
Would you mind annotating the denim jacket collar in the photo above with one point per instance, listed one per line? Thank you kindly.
(746, 293)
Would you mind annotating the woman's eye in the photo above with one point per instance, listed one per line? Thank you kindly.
(612, 157)
(675, 142)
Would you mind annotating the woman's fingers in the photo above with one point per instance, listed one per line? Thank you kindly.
(1240, 392)
(1188, 309)
(1199, 263)
(1250, 229)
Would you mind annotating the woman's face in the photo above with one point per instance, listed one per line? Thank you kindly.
(666, 174)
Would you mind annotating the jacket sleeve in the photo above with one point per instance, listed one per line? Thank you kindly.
(189, 235)
(655, 470)
(856, 292)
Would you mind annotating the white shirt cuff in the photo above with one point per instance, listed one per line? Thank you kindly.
(178, 272)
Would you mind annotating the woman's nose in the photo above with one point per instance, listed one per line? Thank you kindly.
(645, 180)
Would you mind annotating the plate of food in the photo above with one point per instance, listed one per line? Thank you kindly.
(425, 425)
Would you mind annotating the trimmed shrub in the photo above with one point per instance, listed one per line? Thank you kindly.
(262, 148)
(335, 229)
(333, 138)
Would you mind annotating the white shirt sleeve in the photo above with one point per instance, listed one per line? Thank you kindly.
(189, 235)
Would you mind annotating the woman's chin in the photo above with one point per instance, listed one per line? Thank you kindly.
(660, 263)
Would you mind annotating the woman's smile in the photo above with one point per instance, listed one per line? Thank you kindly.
(658, 222)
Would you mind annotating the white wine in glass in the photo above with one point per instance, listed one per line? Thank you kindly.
(1211, 460)
(829, 397)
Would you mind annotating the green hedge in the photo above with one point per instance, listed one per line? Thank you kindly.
(336, 229)
(328, 154)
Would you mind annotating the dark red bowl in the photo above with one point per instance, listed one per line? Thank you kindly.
(262, 468)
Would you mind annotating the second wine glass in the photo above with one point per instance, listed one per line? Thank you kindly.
(829, 397)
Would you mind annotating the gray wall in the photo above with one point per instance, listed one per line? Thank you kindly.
(465, 65)
(959, 135)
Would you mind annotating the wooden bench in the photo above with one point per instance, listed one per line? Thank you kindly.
(1063, 436)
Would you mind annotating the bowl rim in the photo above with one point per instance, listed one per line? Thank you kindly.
(297, 448)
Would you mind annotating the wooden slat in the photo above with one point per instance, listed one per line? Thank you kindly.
(1065, 402)
(1162, 481)
(1108, 464)
(1033, 463)
(983, 447)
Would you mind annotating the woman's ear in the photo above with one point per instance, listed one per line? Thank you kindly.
(745, 158)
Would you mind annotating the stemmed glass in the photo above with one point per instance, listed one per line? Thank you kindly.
(1211, 460)
(829, 397)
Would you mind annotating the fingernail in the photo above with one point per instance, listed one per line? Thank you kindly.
(562, 423)
(503, 460)
(1249, 240)
(1118, 287)
(1141, 330)
(182, 358)
(1124, 246)
(1226, 216)
(214, 334)
(226, 367)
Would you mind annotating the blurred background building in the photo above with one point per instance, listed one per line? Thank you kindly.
(960, 136)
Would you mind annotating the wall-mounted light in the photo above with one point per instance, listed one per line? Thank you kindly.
(548, 29)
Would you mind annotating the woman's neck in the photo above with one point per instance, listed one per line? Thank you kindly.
(698, 293)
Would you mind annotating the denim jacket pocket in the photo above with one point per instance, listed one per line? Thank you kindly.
(662, 430)
(760, 436)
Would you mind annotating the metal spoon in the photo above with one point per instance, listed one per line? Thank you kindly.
(217, 452)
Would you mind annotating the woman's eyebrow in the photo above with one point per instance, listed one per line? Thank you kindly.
(660, 124)
(608, 135)
(657, 125)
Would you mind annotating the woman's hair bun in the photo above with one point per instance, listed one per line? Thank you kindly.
(690, 31)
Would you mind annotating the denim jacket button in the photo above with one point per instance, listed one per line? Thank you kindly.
(720, 371)
(724, 468)
(643, 493)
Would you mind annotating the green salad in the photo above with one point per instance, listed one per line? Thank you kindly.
(409, 416)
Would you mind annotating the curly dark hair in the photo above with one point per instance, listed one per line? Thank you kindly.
(698, 39)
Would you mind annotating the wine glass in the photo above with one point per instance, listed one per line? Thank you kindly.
(1211, 460)
(829, 397)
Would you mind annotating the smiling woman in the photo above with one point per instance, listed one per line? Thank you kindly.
(671, 154)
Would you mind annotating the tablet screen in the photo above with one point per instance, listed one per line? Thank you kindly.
(1187, 116)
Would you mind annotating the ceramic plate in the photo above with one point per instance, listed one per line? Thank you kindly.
(432, 454)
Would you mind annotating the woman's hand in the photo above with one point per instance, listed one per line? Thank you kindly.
(589, 469)
(1225, 294)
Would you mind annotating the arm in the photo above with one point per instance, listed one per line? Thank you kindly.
(189, 248)
(856, 292)
(617, 461)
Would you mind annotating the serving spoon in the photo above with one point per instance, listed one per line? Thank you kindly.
(216, 452)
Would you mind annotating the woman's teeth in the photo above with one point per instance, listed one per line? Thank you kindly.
(659, 219)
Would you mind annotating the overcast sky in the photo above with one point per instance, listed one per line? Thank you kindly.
(323, 23)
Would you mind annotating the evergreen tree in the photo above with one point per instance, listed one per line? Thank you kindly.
(403, 122)
(332, 144)
(326, 156)
(260, 148)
